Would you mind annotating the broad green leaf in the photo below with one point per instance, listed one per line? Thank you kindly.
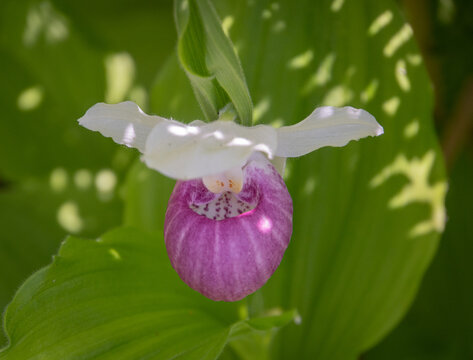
(367, 217)
(37, 215)
(118, 297)
(209, 60)
(64, 179)
(439, 326)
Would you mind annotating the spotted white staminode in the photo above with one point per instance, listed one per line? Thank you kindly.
(229, 218)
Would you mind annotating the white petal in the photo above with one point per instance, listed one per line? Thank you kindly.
(199, 149)
(230, 180)
(125, 123)
(326, 126)
(279, 164)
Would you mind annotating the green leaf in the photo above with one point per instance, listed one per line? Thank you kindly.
(53, 169)
(367, 217)
(37, 215)
(439, 326)
(119, 297)
(59, 58)
(209, 60)
(362, 240)
(54, 76)
(142, 29)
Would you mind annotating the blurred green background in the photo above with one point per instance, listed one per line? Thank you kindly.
(57, 58)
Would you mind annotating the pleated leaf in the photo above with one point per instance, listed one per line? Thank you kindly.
(367, 217)
(210, 62)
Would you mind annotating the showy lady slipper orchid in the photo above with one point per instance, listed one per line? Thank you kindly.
(229, 218)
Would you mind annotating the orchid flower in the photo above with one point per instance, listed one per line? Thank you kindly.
(229, 218)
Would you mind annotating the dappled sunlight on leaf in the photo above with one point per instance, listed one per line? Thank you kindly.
(323, 74)
(401, 75)
(83, 179)
(419, 189)
(391, 106)
(58, 179)
(339, 95)
(411, 129)
(380, 22)
(370, 91)
(115, 254)
(302, 60)
(69, 218)
(120, 74)
(105, 182)
(227, 23)
(260, 109)
(309, 186)
(266, 14)
(277, 123)
(43, 19)
(337, 5)
(30, 98)
(139, 95)
(399, 39)
(414, 59)
(279, 26)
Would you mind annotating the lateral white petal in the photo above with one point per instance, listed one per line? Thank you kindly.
(192, 151)
(125, 123)
(326, 126)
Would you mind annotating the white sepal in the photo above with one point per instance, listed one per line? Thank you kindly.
(125, 123)
(200, 149)
(326, 126)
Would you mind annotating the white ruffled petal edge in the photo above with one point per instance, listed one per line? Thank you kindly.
(326, 126)
(125, 123)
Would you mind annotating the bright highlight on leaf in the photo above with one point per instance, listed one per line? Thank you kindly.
(323, 74)
(120, 70)
(380, 22)
(418, 190)
(30, 98)
(400, 38)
